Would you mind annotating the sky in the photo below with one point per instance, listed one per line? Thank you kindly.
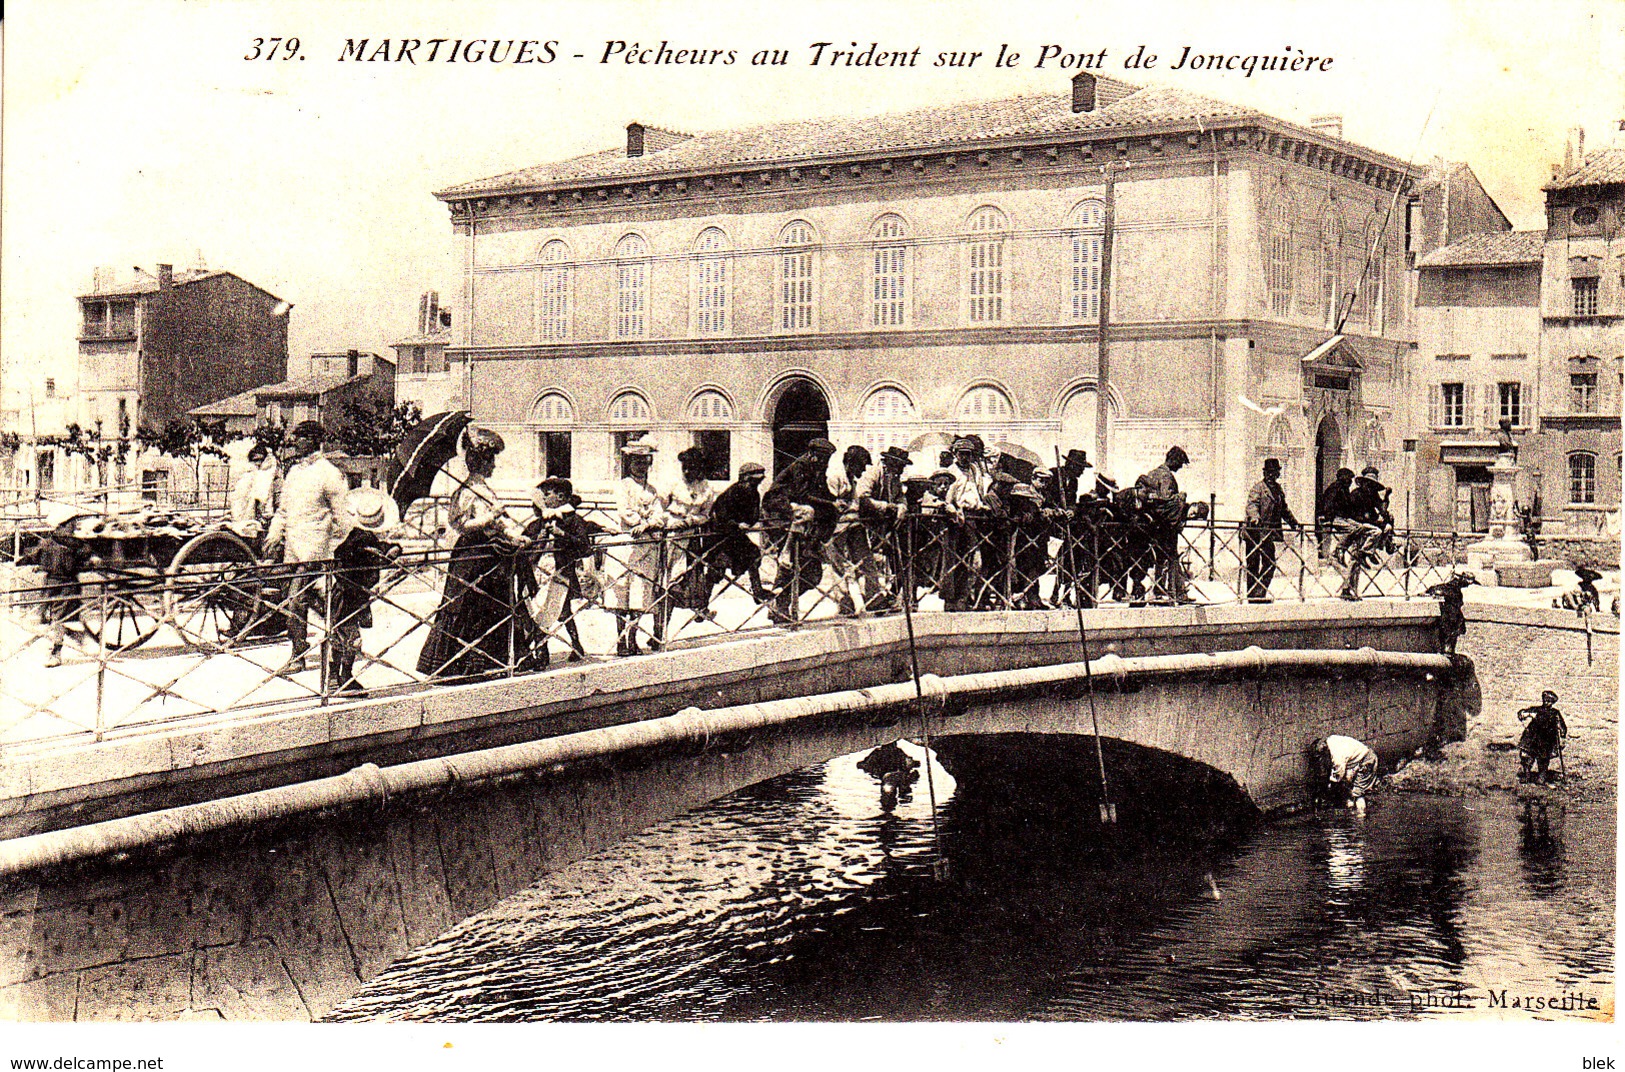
(137, 133)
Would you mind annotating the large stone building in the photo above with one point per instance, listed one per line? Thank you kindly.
(882, 279)
(1530, 326)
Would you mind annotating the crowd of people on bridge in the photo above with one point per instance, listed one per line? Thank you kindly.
(981, 529)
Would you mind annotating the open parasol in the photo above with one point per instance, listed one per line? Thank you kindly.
(1018, 461)
(425, 448)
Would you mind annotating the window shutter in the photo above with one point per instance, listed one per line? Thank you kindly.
(1527, 400)
(1435, 406)
(1469, 398)
(1492, 405)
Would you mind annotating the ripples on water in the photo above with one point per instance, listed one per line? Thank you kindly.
(799, 899)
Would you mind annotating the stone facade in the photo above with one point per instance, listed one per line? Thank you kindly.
(892, 290)
(1529, 325)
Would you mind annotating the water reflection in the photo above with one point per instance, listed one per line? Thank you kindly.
(807, 898)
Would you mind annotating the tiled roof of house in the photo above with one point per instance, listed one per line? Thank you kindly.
(239, 405)
(1496, 247)
(305, 386)
(1601, 168)
(147, 283)
(1120, 106)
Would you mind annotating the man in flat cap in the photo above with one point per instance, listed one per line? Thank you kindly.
(883, 507)
(969, 509)
(1165, 505)
(312, 518)
(736, 514)
(800, 506)
(1261, 531)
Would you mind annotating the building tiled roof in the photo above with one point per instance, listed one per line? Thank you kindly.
(442, 339)
(1600, 169)
(239, 405)
(306, 386)
(1496, 247)
(1121, 105)
(146, 283)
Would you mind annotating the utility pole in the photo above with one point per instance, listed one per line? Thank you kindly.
(1103, 354)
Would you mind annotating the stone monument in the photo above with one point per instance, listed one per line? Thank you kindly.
(1506, 551)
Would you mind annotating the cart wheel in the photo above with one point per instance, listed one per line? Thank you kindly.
(122, 612)
(213, 591)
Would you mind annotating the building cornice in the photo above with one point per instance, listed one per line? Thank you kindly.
(1097, 154)
(1089, 334)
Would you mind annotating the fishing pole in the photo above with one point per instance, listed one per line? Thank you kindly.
(939, 865)
(1347, 307)
(1108, 809)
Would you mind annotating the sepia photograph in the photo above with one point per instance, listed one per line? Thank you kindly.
(948, 516)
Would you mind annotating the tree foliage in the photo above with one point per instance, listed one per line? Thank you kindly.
(372, 428)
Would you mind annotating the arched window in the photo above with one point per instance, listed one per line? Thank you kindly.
(711, 407)
(553, 294)
(553, 415)
(553, 409)
(1088, 233)
(1582, 477)
(710, 285)
(1278, 276)
(889, 292)
(990, 408)
(1331, 259)
(629, 407)
(629, 416)
(797, 285)
(631, 287)
(889, 418)
(985, 282)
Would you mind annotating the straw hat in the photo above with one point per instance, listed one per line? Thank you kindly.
(372, 509)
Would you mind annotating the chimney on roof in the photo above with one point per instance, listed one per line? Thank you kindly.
(634, 139)
(1329, 125)
(354, 357)
(423, 314)
(1083, 92)
(433, 318)
(166, 276)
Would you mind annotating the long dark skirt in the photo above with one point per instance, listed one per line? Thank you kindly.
(477, 630)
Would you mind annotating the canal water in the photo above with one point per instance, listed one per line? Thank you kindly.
(806, 899)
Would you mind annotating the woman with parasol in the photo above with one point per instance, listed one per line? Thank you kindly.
(481, 626)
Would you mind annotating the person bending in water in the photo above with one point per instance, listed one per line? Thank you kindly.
(1351, 768)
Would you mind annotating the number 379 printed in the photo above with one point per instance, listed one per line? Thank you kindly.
(272, 48)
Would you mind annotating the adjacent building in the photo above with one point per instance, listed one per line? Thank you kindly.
(150, 348)
(424, 375)
(888, 280)
(1527, 326)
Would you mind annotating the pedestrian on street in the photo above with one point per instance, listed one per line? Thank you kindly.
(735, 516)
(312, 518)
(358, 564)
(1344, 514)
(970, 518)
(61, 556)
(689, 504)
(563, 538)
(1261, 531)
(481, 626)
(1164, 504)
(883, 507)
(641, 512)
(800, 505)
(254, 496)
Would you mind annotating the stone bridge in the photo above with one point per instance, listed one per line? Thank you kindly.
(266, 869)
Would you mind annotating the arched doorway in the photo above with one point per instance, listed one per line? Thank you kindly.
(1328, 453)
(800, 415)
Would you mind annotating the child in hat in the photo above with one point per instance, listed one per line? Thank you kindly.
(567, 537)
(358, 564)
